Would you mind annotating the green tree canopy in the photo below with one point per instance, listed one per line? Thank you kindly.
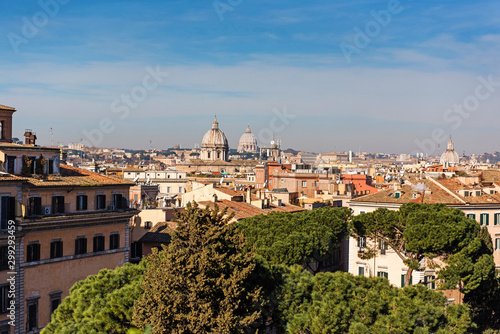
(342, 303)
(202, 282)
(296, 238)
(102, 303)
(472, 270)
(416, 231)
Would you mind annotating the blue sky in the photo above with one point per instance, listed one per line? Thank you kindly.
(377, 76)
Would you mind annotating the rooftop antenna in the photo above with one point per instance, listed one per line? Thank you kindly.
(52, 137)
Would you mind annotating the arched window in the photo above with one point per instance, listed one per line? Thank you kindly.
(208, 155)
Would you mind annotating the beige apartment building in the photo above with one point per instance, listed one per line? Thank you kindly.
(65, 223)
(478, 196)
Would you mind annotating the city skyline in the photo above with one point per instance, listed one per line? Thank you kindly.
(375, 76)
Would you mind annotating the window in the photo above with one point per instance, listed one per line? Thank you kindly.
(136, 250)
(471, 215)
(51, 166)
(361, 242)
(100, 202)
(168, 190)
(119, 201)
(81, 202)
(361, 271)
(4, 298)
(55, 300)
(11, 165)
(383, 274)
(180, 190)
(58, 204)
(403, 279)
(98, 243)
(382, 246)
(397, 194)
(35, 206)
(8, 211)
(304, 184)
(208, 155)
(432, 283)
(497, 243)
(4, 259)
(478, 193)
(32, 321)
(114, 241)
(148, 225)
(80, 245)
(496, 219)
(466, 194)
(485, 219)
(33, 252)
(362, 211)
(56, 249)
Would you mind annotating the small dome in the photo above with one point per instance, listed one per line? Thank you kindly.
(248, 142)
(450, 157)
(214, 136)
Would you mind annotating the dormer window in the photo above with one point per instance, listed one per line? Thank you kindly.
(414, 196)
(466, 193)
(397, 194)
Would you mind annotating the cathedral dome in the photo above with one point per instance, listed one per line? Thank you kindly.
(214, 137)
(214, 145)
(248, 142)
(450, 157)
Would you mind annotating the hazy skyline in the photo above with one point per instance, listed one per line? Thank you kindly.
(377, 76)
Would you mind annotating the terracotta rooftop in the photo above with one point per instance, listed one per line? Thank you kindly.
(491, 176)
(445, 194)
(407, 192)
(244, 210)
(6, 108)
(71, 176)
(158, 234)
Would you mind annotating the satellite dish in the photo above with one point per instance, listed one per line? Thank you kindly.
(272, 142)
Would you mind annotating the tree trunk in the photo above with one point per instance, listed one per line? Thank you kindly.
(408, 276)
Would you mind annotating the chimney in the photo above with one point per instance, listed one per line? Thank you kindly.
(249, 195)
(29, 137)
(215, 198)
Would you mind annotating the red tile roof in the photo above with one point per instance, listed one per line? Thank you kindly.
(71, 176)
(244, 210)
(6, 108)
